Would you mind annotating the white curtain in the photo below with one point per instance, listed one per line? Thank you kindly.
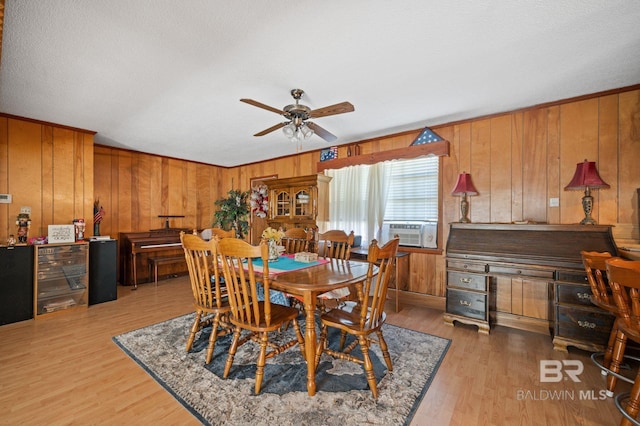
(357, 199)
(377, 198)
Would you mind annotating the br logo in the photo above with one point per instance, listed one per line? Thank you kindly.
(552, 370)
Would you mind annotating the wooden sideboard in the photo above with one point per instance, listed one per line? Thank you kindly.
(529, 277)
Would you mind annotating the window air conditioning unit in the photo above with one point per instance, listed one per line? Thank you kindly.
(414, 234)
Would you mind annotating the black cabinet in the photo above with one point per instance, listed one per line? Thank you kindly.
(103, 271)
(16, 284)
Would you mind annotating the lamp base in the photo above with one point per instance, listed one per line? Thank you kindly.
(464, 209)
(587, 206)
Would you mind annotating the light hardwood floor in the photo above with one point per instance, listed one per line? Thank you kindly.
(66, 370)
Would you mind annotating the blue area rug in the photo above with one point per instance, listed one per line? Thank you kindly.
(342, 397)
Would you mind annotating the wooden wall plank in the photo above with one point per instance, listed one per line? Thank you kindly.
(47, 163)
(607, 199)
(629, 147)
(480, 205)
(25, 183)
(517, 185)
(63, 176)
(500, 169)
(553, 163)
(534, 165)
(5, 224)
(579, 127)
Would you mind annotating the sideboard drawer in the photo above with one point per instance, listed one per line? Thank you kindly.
(464, 265)
(464, 280)
(514, 270)
(575, 277)
(574, 294)
(467, 304)
(584, 324)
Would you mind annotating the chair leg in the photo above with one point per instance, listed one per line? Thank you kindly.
(213, 337)
(300, 338)
(385, 350)
(194, 329)
(368, 366)
(616, 359)
(232, 352)
(343, 339)
(608, 354)
(633, 406)
(321, 344)
(262, 358)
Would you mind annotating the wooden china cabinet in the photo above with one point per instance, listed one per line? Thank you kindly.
(298, 202)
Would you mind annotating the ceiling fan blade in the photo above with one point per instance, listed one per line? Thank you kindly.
(271, 129)
(261, 105)
(324, 134)
(340, 108)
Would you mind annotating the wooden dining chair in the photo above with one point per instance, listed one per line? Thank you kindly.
(296, 240)
(335, 244)
(362, 319)
(208, 233)
(256, 316)
(601, 296)
(209, 294)
(624, 280)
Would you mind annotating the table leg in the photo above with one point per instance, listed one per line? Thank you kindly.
(310, 341)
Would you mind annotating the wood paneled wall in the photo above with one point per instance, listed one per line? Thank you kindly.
(136, 188)
(47, 168)
(517, 160)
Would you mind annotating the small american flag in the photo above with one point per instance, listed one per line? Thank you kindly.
(98, 214)
(426, 136)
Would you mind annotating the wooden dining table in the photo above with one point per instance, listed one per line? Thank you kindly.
(309, 283)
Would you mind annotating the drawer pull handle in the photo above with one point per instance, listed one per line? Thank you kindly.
(465, 303)
(586, 324)
(465, 280)
(583, 295)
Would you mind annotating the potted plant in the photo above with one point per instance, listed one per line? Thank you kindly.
(233, 212)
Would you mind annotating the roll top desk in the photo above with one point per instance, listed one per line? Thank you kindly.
(529, 277)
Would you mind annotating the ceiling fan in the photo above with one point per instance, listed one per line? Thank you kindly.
(298, 127)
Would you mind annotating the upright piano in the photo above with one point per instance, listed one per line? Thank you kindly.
(136, 247)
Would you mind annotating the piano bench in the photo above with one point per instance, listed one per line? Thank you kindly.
(154, 262)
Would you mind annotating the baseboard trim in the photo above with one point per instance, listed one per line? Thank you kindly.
(419, 299)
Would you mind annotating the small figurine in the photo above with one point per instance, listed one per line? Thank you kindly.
(23, 223)
(11, 241)
(80, 226)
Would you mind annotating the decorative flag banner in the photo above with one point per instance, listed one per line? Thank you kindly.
(98, 214)
(427, 136)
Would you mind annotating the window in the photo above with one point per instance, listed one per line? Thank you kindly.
(413, 190)
(362, 197)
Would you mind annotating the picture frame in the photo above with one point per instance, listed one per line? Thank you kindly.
(61, 234)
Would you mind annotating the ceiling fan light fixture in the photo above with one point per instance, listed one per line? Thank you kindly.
(289, 130)
(307, 132)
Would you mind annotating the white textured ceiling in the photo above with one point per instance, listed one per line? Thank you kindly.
(166, 76)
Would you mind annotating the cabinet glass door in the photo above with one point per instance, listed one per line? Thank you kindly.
(302, 203)
(283, 204)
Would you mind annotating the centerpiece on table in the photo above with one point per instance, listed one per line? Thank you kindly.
(273, 238)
